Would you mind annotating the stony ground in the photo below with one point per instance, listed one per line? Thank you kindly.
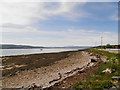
(57, 72)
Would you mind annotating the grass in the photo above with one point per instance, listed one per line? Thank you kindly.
(102, 80)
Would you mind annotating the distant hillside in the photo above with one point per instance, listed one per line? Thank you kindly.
(12, 46)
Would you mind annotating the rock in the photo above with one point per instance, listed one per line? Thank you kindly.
(116, 78)
(91, 54)
(82, 71)
(6, 66)
(72, 71)
(104, 59)
(115, 87)
(11, 74)
(98, 56)
(33, 86)
(90, 64)
(108, 70)
(64, 81)
(56, 84)
(113, 70)
(59, 77)
(93, 60)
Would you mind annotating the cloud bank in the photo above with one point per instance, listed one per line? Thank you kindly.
(29, 13)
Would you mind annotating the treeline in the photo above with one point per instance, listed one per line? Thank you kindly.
(110, 46)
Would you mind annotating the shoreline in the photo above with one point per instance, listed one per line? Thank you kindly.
(45, 52)
(37, 54)
(58, 67)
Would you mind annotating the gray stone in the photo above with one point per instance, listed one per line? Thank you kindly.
(93, 60)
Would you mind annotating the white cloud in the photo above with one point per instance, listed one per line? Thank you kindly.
(17, 30)
(81, 40)
(20, 13)
(57, 38)
(26, 13)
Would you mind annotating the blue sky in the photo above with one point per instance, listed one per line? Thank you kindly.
(60, 24)
(100, 18)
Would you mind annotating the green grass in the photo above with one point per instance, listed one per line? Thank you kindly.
(102, 80)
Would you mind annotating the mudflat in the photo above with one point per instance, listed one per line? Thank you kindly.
(13, 64)
(43, 70)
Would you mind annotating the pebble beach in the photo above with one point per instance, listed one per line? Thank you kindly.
(64, 65)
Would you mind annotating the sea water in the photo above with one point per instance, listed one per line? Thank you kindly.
(13, 52)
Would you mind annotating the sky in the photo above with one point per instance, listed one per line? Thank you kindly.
(59, 23)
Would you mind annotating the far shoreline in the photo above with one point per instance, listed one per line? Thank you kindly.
(46, 53)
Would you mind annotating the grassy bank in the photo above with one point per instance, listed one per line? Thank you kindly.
(101, 79)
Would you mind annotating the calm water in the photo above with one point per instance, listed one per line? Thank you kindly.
(13, 52)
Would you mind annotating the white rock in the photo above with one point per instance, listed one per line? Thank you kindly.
(107, 70)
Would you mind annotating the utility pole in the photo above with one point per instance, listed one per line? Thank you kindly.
(101, 41)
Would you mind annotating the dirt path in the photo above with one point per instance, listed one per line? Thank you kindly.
(49, 75)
